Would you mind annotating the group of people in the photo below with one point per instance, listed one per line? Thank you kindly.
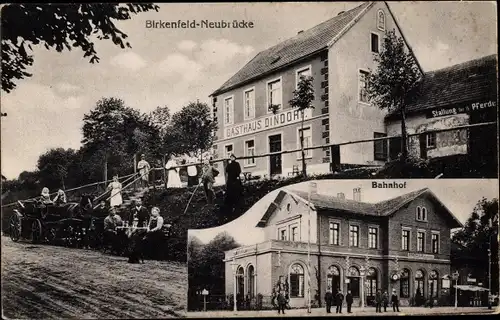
(138, 232)
(59, 199)
(381, 299)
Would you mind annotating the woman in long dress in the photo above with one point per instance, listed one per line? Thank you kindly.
(174, 180)
(116, 193)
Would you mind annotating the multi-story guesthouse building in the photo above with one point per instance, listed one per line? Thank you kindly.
(338, 54)
(402, 244)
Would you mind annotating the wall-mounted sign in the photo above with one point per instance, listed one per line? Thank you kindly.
(271, 121)
(460, 108)
(445, 284)
(204, 292)
(420, 255)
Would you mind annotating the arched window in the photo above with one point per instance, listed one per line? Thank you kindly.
(296, 281)
(419, 213)
(419, 283)
(240, 281)
(381, 20)
(404, 288)
(251, 281)
(353, 277)
(333, 279)
(424, 213)
(371, 282)
(433, 283)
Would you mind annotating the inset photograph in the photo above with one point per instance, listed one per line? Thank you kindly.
(412, 247)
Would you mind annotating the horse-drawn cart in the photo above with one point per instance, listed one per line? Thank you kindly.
(68, 223)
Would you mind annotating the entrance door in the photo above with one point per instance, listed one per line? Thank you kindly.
(275, 160)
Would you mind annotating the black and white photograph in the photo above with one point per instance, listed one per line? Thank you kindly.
(403, 247)
(130, 130)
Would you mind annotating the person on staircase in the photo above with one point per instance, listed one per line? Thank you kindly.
(116, 193)
(144, 167)
(140, 212)
(208, 179)
(233, 184)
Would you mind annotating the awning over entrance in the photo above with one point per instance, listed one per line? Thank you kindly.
(466, 287)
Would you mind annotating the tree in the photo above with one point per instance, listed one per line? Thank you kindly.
(59, 27)
(194, 128)
(160, 119)
(302, 100)
(477, 237)
(395, 81)
(54, 166)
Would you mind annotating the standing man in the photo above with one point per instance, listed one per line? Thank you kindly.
(192, 174)
(111, 236)
(141, 213)
(395, 301)
(281, 302)
(144, 167)
(328, 300)
(233, 184)
(339, 299)
(385, 300)
(378, 302)
(349, 300)
(208, 179)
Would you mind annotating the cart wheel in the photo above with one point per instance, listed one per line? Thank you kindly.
(15, 227)
(36, 231)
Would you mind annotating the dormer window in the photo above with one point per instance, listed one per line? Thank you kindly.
(421, 214)
(381, 20)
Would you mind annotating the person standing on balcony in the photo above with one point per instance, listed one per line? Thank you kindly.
(174, 180)
(144, 167)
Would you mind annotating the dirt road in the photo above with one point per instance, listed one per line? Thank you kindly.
(41, 281)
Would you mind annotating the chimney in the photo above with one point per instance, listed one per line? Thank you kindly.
(300, 31)
(341, 195)
(356, 194)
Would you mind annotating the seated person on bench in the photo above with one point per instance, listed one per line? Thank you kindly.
(154, 233)
(60, 198)
(111, 236)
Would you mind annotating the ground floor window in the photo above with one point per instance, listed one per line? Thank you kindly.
(353, 285)
(297, 281)
(404, 289)
(240, 281)
(433, 284)
(251, 281)
(333, 279)
(371, 282)
(419, 287)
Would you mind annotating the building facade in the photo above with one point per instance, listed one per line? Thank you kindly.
(338, 54)
(402, 244)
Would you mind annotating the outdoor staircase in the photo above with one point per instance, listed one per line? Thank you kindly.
(130, 196)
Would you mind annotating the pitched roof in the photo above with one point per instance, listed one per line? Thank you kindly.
(331, 203)
(473, 80)
(303, 44)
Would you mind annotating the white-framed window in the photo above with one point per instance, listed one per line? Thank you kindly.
(430, 140)
(374, 42)
(228, 149)
(249, 151)
(303, 72)
(294, 232)
(354, 236)
(381, 20)
(420, 241)
(307, 142)
(435, 242)
(372, 237)
(274, 93)
(405, 239)
(334, 233)
(229, 110)
(249, 104)
(363, 86)
(421, 214)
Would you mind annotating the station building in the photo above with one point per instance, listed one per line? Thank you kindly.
(338, 54)
(402, 244)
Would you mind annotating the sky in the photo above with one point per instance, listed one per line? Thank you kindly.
(175, 66)
(458, 195)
